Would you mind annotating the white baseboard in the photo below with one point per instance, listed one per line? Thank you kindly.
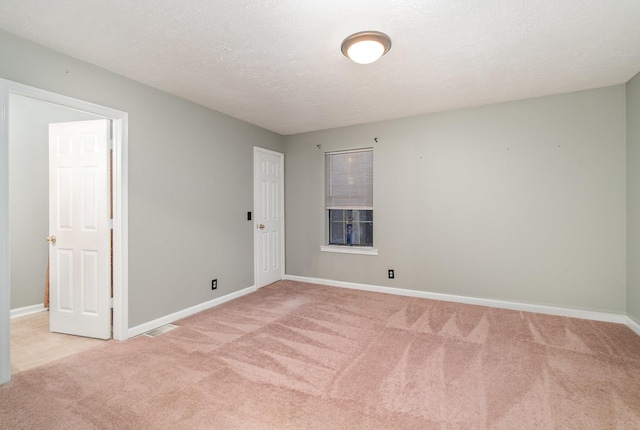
(633, 325)
(550, 310)
(27, 310)
(168, 319)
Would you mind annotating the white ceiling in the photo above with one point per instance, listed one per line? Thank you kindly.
(277, 63)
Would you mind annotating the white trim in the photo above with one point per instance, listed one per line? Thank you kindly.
(362, 250)
(168, 319)
(256, 198)
(120, 232)
(121, 227)
(27, 310)
(525, 307)
(633, 325)
(5, 278)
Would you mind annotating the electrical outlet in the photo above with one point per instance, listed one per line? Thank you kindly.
(214, 284)
(391, 274)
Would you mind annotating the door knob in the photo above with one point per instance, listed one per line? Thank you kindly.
(51, 239)
(261, 226)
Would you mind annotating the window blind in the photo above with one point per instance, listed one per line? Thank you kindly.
(349, 179)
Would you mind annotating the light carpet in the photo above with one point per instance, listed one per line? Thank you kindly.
(303, 356)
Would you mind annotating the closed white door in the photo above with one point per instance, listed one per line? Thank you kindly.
(268, 185)
(79, 241)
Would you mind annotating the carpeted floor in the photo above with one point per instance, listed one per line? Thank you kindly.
(301, 356)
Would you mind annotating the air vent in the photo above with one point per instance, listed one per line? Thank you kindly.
(160, 330)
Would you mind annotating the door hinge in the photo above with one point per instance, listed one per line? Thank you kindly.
(111, 303)
(111, 224)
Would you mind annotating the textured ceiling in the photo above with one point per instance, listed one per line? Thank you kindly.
(277, 63)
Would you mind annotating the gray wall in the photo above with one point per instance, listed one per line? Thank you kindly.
(633, 198)
(29, 193)
(190, 181)
(521, 201)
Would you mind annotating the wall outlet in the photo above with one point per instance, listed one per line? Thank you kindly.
(392, 274)
(214, 284)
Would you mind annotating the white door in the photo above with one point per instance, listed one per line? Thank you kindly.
(268, 203)
(80, 249)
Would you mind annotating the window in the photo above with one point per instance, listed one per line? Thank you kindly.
(350, 227)
(349, 197)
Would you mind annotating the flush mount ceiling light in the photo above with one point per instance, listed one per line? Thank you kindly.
(366, 46)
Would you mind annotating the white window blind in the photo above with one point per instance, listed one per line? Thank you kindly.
(349, 179)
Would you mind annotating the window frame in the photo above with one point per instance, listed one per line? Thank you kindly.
(347, 248)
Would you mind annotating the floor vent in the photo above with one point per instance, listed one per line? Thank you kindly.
(158, 331)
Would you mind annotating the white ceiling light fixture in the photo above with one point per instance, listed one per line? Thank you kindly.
(366, 46)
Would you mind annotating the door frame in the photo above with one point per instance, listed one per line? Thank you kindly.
(120, 180)
(256, 197)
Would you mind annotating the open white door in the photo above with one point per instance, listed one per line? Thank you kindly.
(80, 249)
(268, 203)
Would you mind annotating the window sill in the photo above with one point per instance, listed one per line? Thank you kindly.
(362, 250)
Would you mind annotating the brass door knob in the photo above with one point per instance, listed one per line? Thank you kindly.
(51, 239)
(261, 226)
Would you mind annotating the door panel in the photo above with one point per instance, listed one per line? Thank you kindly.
(64, 280)
(79, 219)
(269, 210)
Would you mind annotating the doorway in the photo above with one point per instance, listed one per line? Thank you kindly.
(268, 205)
(8, 90)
